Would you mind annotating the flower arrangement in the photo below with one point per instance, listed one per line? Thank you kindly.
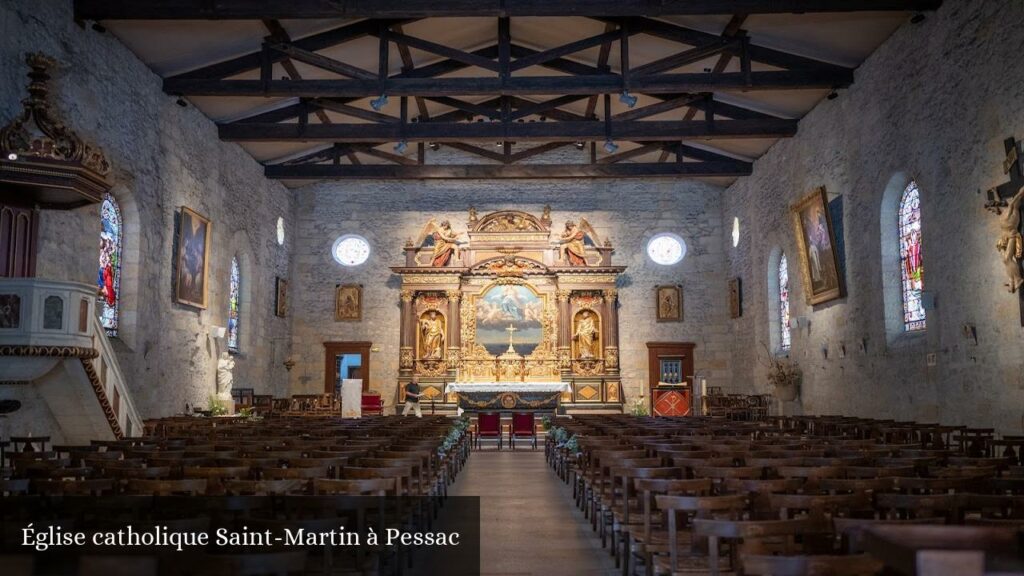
(783, 374)
(454, 435)
(639, 407)
(217, 407)
(565, 440)
(546, 423)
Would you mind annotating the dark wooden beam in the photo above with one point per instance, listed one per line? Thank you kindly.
(633, 153)
(532, 85)
(477, 150)
(348, 110)
(538, 150)
(251, 61)
(500, 131)
(564, 50)
(492, 171)
(692, 37)
(320, 61)
(300, 9)
(539, 108)
(658, 107)
(684, 58)
(446, 51)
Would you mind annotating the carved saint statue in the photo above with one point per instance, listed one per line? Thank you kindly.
(586, 335)
(1009, 244)
(571, 240)
(225, 364)
(445, 244)
(431, 337)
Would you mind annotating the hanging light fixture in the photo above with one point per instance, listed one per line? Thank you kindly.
(401, 146)
(627, 98)
(379, 102)
(610, 146)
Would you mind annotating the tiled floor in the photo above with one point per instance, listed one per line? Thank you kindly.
(529, 525)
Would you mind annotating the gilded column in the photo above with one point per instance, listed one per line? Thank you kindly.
(564, 330)
(407, 332)
(611, 330)
(454, 329)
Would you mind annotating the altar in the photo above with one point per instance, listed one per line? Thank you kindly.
(476, 396)
(510, 314)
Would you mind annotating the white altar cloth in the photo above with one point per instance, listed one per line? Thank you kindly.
(508, 387)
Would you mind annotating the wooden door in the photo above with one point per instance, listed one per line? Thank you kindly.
(334, 349)
(18, 231)
(670, 377)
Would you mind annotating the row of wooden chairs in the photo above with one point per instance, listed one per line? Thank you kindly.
(777, 496)
(281, 456)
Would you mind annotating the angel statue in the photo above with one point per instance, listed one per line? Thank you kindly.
(1010, 245)
(572, 247)
(446, 243)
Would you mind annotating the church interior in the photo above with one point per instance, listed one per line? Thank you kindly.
(632, 287)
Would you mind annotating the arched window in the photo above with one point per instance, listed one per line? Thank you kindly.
(108, 278)
(784, 336)
(233, 305)
(911, 266)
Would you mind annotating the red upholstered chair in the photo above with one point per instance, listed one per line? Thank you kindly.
(372, 404)
(523, 427)
(488, 425)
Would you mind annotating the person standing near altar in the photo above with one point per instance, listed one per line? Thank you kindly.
(412, 397)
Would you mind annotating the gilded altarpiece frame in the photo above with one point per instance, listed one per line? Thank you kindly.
(499, 301)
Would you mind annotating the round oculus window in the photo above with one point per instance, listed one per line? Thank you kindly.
(666, 248)
(351, 250)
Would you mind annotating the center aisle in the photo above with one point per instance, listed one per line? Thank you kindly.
(528, 524)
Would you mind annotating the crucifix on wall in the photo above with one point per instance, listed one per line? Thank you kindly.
(1004, 201)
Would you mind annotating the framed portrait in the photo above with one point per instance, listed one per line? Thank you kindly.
(348, 303)
(816, 241)
(280, 297)
(735, 298)
(669, 303)
(193, 258)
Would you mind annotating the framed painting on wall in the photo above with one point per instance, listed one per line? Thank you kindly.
(669, 303)
(280, 297)
(348, 303)
(190, 284)
(816, 240)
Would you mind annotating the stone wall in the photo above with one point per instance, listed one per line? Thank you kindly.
(933, 103)
(164, 156)
(388, 213)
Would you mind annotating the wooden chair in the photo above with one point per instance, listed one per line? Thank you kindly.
(763, 565)
(755, 536)
(523, 426)
(488, 425)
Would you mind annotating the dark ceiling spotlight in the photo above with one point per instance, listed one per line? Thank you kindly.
(543, 118)
(833, 95)
(99, 27)
(917, 18)
(707, 70)
(434, 146)
(580, 145)
(181, 102)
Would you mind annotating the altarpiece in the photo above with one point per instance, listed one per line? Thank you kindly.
(513, 313)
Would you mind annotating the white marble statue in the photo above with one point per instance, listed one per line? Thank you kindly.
(225, 364)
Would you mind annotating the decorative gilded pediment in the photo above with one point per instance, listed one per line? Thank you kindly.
(510, 265)
(511, 221)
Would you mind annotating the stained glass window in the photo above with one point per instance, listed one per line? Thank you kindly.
(784, 337)
(911, 266)
(108, 277)
(233, 305)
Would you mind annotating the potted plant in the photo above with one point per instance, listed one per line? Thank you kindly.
(784, 377)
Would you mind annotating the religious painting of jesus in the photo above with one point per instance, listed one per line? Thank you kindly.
(193, 258)
(669, 304)
(816, 240)
(348, 303)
